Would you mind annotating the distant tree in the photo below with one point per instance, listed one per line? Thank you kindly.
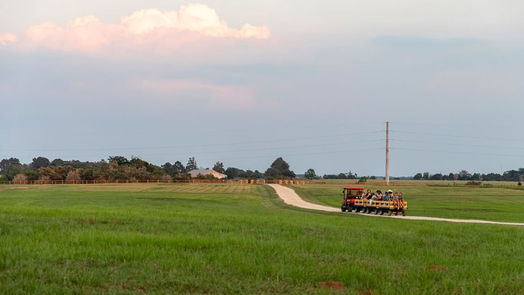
(279, 169)
(5, 164)
(418, 176)
(219, 167)
(74, 175)
(119, 160)
(88, 174)
(168, 168)
(40, 162)
(58, 162)
(342, 176)
(351, 175)
(178, 168)
(32, 174)
(437, 176)
(362, 180)
(248, 174)
(273, 173)
(257, 174)
(310, 174)
(425, 175)
(476, 176)
(191, 164)
(511, 175)
(233, 173)
(464, 175)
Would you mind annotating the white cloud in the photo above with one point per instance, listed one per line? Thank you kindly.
(8, 38)
(141, 28)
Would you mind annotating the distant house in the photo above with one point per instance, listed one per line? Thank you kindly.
(203, 172)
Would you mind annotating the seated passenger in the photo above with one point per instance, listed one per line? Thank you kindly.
(379, 195)
(389, 195)
(395, 196)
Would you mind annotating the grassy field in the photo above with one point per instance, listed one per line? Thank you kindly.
(497, 201)
(238, 239)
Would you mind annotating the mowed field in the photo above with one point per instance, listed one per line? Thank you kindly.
(241, 239)
(494, 201)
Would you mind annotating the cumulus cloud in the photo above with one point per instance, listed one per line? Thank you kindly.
(141, 28)
(8, 38)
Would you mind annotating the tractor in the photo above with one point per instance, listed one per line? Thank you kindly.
(351, 193)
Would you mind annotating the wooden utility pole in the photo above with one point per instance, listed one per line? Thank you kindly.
(387, 153)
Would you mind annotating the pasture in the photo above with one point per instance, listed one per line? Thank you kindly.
(241, 239)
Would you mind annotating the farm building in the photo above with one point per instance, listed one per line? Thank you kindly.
(196, 172)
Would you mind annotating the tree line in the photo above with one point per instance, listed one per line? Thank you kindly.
(118, 168)
(510, 175)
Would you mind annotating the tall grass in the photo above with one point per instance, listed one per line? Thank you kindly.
(227, 239)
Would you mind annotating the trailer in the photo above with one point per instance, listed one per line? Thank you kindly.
(353, 202)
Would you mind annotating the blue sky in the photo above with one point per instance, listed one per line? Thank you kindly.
(313, 82)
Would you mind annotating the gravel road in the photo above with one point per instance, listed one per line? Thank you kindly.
(290, 197)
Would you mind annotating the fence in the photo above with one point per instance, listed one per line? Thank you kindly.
(240, 181)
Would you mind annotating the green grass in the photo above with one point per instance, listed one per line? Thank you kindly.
(437, 199)
(236, 239)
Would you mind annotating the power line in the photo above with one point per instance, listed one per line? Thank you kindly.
(456, 136)
(458, 152)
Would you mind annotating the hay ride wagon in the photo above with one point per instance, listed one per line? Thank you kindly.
(352, 202)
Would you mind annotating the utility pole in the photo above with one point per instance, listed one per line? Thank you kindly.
(387, 153)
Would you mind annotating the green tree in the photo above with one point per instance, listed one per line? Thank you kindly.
(233, 173)
(219, 167)
(178, 168)
(279, 169)
(191, 164)
(40, 162)
(5, 164)
(119, 160)
(310, 173)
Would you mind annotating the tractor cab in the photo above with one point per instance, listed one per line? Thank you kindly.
(350, 193)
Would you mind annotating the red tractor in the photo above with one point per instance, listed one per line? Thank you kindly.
(350, 195)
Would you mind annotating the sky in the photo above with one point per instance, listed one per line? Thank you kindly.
(244, 82)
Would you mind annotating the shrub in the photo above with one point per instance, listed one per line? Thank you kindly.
(74, 175)
(20, 178)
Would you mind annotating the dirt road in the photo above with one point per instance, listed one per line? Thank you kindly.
(290, 197)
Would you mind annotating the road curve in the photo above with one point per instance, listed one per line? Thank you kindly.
(290, 197)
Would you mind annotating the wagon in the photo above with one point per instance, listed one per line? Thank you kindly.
(353, 202)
